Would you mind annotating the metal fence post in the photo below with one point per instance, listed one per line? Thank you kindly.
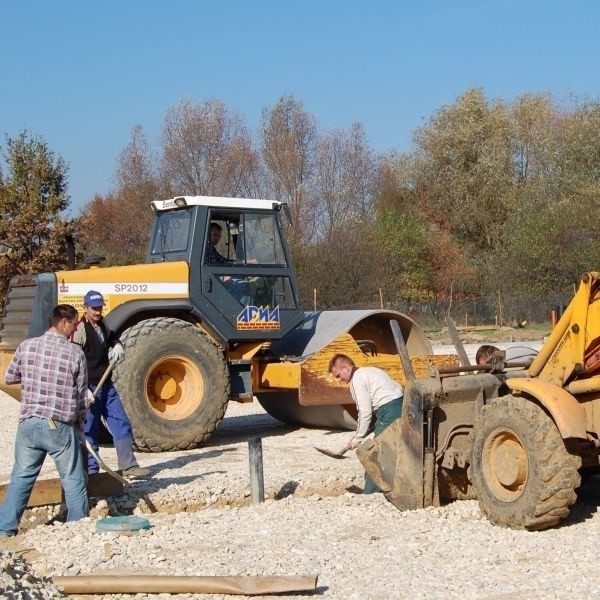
(257, 482)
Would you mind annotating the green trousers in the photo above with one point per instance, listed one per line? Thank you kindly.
(384, 417)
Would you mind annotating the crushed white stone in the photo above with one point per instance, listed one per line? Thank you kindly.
(361, 547)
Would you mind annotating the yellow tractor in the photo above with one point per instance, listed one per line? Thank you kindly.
(515, 438)
(211, 318)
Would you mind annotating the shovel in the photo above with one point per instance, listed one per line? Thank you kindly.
(107, 372)
(332, 454)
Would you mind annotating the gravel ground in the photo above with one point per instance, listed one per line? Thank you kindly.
(202, 523)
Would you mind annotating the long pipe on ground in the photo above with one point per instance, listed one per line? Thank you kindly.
(172, 584)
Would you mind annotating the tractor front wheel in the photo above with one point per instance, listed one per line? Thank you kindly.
(523, 474)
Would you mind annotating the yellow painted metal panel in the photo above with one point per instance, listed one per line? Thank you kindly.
(317, 387)
(13, 390)
(568, 414)
(284, 375)
(121, 284)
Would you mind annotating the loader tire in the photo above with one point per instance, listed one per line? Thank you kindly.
(173, 382)
(524, 476)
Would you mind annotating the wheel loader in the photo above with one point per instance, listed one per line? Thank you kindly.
(513, 437)
(199, 333)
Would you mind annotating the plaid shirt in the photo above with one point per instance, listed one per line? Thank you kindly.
(53, 376)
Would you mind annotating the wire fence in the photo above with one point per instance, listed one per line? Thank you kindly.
(497, 310)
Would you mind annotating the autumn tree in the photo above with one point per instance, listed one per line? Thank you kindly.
(465, 171)
(426, 258)
(341, 268)
(536, 123)
(288, 136)
(345, 179)
(117, 226)
(553, 237)
(207, 150)
(33, 194)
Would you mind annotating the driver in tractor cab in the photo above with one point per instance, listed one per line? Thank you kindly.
(212, 256)
(235, 285)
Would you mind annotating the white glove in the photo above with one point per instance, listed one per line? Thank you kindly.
(115, 353)
(90, 398)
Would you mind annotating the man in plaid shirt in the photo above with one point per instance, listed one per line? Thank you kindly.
(53, 376)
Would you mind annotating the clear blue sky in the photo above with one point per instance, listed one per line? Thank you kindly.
(80, 74)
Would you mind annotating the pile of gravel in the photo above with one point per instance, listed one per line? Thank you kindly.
(19, 581)
(361, 547)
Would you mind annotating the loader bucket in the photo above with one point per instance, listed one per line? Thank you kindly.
(394, 459)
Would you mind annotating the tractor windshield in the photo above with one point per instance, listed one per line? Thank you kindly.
(171, 232)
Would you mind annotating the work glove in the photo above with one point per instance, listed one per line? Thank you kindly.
(90, 398)
(115, 353)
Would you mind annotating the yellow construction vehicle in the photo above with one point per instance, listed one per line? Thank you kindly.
(513, 438)
(208, 319)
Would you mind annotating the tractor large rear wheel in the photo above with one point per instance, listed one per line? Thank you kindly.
(173, 382)
(524, 476)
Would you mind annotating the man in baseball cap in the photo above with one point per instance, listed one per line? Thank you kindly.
(101, 348)
(93, 299)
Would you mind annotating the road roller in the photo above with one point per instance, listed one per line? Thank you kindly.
(213, 315)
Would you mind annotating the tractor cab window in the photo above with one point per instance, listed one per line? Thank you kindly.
(219, 243)
(263, 290)
(171, 232)
(246, 256)
(258, 240)
(244, 239)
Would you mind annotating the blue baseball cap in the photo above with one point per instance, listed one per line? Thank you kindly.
(93, 299)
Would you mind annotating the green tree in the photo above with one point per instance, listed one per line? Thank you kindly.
(552, 236)
(465, 171)
(33, 194)
(403, 267)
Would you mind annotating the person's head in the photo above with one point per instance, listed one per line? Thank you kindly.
(485, 353)
(93, 303)
(63, 319)
(215, 233)
(342, 367)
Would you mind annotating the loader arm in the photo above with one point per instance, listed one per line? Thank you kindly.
(571, 347)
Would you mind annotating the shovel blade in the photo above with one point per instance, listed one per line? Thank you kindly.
(331, 454)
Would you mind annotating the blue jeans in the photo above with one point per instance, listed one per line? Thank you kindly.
(35, 439)
(108, 405)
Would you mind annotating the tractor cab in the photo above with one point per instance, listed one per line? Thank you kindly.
(241, 277)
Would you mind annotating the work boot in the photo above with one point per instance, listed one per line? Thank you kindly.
(136, 472)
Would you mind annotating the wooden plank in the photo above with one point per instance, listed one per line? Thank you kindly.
(49, 491)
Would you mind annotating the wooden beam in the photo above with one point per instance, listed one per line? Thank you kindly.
(49, 491)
